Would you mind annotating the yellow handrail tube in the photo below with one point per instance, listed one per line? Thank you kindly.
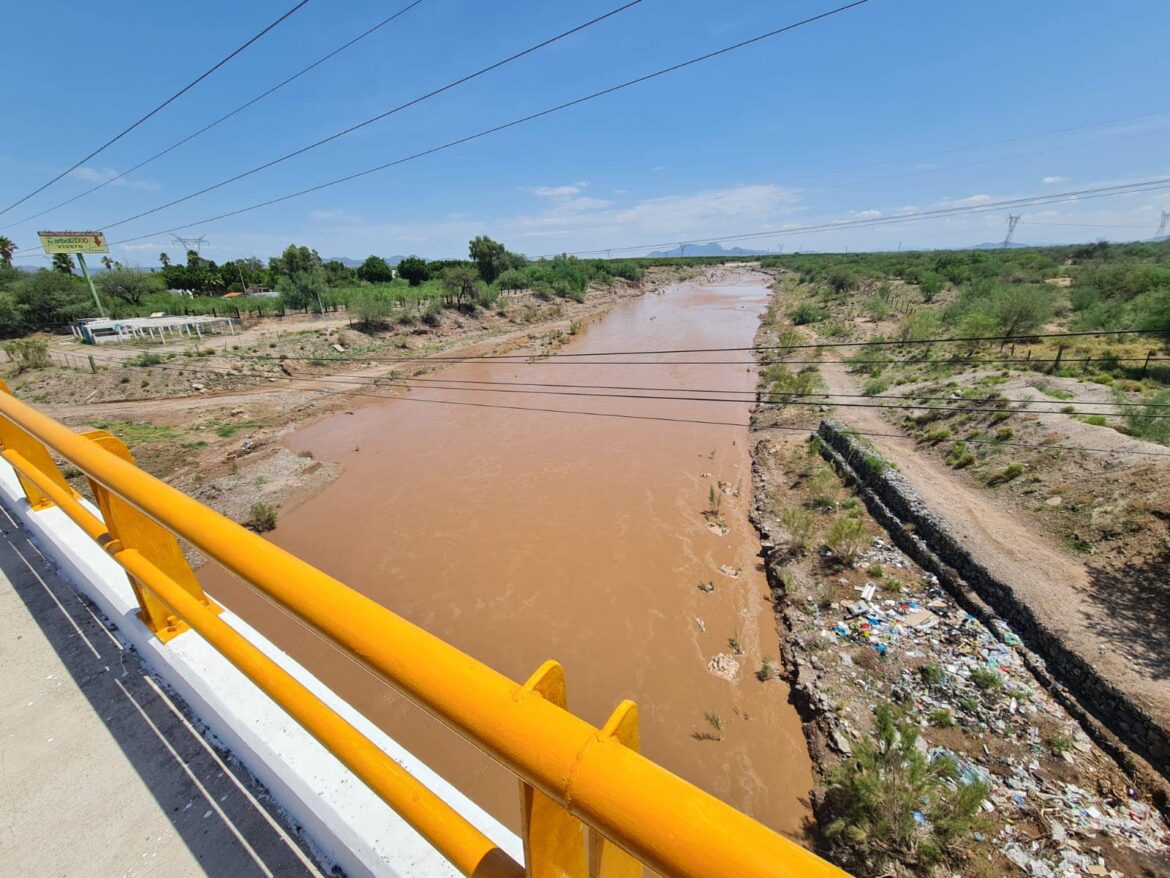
(670, 825)
(468, 849)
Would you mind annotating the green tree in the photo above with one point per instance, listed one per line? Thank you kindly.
(164, 260)
(294, 259)
(303, 289)
(128, 285)
(486, 253)
(11, 316)
(7, 247)
(50, 297)
(63, 263)
(376, 270)
(492, 258)
(413, 270)
(338, 274)
(1019, 310)
(462, 283)
(107, 263)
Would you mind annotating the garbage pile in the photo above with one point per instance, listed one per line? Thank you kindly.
(949, 669)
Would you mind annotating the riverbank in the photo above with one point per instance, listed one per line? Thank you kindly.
(212, 418)
(997, 777)
(514, 510)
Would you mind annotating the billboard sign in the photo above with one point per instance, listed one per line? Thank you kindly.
(73, 242)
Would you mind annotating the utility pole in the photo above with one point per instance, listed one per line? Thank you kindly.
(1162, 225)
(682, 251)
(1013, 221)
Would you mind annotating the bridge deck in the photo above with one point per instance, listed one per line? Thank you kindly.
(101, 772)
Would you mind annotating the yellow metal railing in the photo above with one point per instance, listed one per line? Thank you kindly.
(591, 805)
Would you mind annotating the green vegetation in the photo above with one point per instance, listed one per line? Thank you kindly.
(1148, 420)
(29, 353)
(892, 803)
(801, 525)
(262, 517)
(135, 433)
(985, 679)
(846, 538)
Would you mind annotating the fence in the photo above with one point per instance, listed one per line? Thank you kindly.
(591, 804)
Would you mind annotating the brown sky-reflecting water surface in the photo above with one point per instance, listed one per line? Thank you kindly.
(522, 536)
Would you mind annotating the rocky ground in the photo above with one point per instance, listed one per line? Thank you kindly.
(862, 626)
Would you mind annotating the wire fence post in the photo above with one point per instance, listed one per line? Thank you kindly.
(1059, 354)
(1146, 364)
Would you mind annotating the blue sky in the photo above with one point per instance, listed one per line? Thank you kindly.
(775, 135)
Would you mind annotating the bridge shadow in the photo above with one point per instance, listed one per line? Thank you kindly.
(221, 813)
(1132, 609)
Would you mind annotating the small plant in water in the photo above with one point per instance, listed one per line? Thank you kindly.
(768, 670)
(262, 517)
(714, 720)
(733, 642)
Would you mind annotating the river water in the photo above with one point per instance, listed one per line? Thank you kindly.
(520, 536)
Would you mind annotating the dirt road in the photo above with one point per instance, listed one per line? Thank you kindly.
(1050, 579)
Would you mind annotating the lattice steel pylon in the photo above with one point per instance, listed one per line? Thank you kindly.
(1161, 233)
(189, 244)
(1013, 221)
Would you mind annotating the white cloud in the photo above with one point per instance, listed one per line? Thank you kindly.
(658, 168)
(107, 175)
(567, 191)
(1048, 181)
(337, 215)
(969, 201)
(148, 245)
(866, 214)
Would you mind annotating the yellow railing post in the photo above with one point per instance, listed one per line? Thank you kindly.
(606, 859)
(554, 840)
(13, 438)
(130, 529)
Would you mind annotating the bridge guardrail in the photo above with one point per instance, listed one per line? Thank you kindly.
(591, 805)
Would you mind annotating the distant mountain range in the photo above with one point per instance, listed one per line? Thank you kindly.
(712, 249)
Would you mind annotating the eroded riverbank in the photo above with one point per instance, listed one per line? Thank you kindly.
(522, 527)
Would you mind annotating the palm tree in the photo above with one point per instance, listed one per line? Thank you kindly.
(107, 262)
(165, 260)
(63, 263)
(6, 249)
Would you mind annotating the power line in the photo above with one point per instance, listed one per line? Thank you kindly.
(658, 418)
(910, 216)
(515, 122)
(785, 347)
(824, 396)
(434, 93)
(169, 100)
(226, 116)
(355, 381)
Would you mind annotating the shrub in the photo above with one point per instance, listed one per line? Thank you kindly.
(875, 387)
(806, 313)
(846, 538)
(801, 525)
(29, 353)
(930, 285)
(1009, 473)
(145, 359)
(262, 517)
(1147, 420)
(985, 679)
(876, 799)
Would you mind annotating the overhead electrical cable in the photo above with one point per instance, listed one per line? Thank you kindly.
(390, 383)
(515, 122)
(1003, 339)
(413, 102)
(1155, 184)
(168, 101)
(226, 116)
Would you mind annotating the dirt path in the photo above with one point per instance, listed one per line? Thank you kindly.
(1052, 581)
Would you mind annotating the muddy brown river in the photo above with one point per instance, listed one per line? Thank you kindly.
(520, 536)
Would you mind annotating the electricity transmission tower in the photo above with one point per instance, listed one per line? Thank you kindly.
(1162, 225)
(189, 244)
(1013, 221)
